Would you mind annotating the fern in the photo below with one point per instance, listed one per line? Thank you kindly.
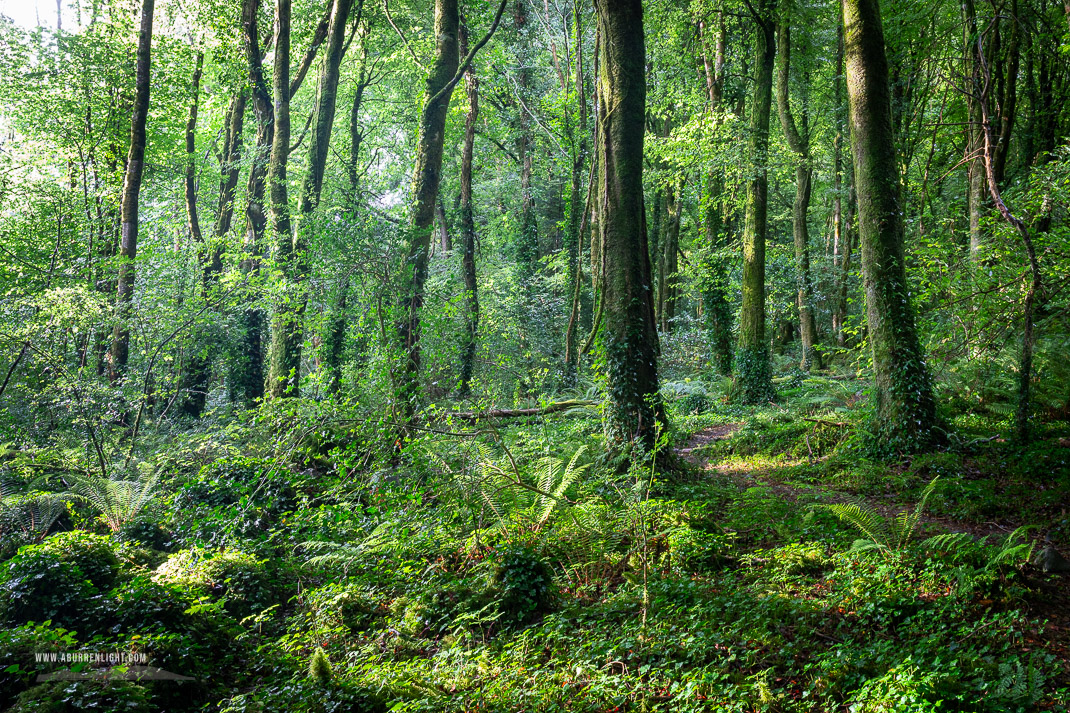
(887, 534)
(119, 501)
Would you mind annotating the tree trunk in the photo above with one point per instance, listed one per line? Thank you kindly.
(752, 355)
(975, 174)
(798, 138)
(577, 205)
(468, 228)
(249, 377)
(905, 412)
(312, 188)
(196, 371)
(629, 338)
(284, 352)
(714, 291)
(668, 263)
(426, 178)
(527, 252)
(135, 168)
(228, 179)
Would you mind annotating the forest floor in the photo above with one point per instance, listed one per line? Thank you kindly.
(294, 561)
(1048, 597)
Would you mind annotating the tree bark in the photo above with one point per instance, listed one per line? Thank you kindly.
(629, 339)
(527, 252)
(284, 352)
(905, 412)
(135, 169)
(197, 369)
(426, 179)
(798, 138)
(753, 374)
(715, 302)
(468, 228)
(312, 188)
(250, 374)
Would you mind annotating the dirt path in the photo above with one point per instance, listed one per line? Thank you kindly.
(1051, 594)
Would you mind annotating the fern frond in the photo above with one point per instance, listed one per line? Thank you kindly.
(861, 516)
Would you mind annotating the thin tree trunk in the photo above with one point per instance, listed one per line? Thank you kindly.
(250, 375)
(197, 369)
(311, 190)
(668, 262)
(284, 352)
(798, 138)
(1033, 289)
(577, 208)
(715, 302)
(629, 334)
(426, 179)
(753, 373)
(527, 253)
(135, 168)
(468, 228)
(905, 412)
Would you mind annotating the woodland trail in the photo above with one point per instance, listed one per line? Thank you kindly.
(1050, 597)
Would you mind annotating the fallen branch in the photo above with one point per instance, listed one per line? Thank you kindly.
(519, 412)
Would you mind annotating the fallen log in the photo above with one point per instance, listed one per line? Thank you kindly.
(519, 412)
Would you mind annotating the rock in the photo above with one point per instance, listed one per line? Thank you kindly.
(1051, 561)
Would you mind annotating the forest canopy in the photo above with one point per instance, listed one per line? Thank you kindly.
(536, 355)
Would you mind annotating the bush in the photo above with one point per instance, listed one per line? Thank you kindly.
(231, 574)
(147, 534)
(93, 554)
(305, 696)
(79, 696)
(335, 604)
(18, 647)
(38, 585)
(522, 585)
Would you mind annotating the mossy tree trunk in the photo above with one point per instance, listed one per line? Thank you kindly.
(798, 138)
(426, 179)
(284, 351)
(135, 169)
(249, 374)
(904, 409)
(468, 228)
(752, 370)
(312, 187)
(576, 131)
(715, 302)
(629, 339)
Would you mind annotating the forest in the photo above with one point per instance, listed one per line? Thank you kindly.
(534, 355)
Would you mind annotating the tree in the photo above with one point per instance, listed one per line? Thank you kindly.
(904, 409)
(468, 227)
(798, 138)
(752, 354)
(135, 170)
(629, 340)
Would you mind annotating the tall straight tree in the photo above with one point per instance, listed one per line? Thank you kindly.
(468, 227)
(629, 338)
(250, 377)
(312, 186)
(905, 412)
(284, 352)
(797, 134)
(714, 293)
(135, 170)
(752, 355)
(426, 178)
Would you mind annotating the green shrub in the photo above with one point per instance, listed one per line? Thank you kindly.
(93, 554)
(236, 576)
(340, 604)
(18, 647)
(38, 585)
(80, 696)
(521, 585)
(147, 533)
(306, 696)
